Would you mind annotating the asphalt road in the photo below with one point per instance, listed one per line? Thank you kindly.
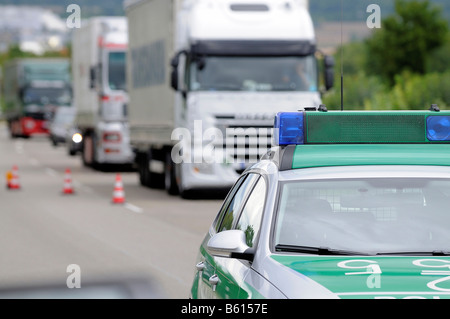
(153, 237)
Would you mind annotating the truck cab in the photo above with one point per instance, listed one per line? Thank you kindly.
(34, 90)
(237, 65)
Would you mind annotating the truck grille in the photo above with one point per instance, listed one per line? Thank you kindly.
(244, 141)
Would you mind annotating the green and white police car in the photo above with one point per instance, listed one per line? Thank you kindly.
(350, 204)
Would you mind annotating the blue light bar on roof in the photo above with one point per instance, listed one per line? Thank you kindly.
(289, 128)
(438, 128)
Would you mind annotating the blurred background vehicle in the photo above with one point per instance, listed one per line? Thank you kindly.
(98, 65)
(60, 125)
(33, 90)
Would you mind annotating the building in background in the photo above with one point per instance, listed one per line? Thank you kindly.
(33, 29)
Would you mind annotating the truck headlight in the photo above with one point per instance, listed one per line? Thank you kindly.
(77, 138)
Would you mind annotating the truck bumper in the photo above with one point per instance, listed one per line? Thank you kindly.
(207, 176)
(115, 154)
(32, 126)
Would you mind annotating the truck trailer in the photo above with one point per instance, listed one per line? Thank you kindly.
(205, 80)
(98, 61)
(33, 89)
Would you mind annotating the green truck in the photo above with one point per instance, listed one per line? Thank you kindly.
(33, 89)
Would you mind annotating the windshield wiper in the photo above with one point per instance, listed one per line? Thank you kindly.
(316, 250)
(417, 253)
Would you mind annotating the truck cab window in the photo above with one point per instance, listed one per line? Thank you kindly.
(116, 71)
(254, 74)
(43, 96)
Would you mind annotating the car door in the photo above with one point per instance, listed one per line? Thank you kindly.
(207, 277)
(232, 272)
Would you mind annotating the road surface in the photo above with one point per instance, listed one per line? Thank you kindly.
(153, 236)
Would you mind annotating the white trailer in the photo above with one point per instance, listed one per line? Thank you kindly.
(98, 66)
(206, 78)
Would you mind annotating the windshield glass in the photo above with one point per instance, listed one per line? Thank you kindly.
(65, 116)
(254, 74)
(44, 96)
(116, 71)
(371, 216)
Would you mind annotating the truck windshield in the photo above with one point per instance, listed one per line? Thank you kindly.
(254, 74)
(374, 216)
(44, 96)
(116, 71)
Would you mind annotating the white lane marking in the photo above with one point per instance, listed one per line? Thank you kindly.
(18, 145)
(51, 172)
(87, 189)
(34, 162)
(133, 208)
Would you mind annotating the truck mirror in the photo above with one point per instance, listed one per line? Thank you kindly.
(92, 77)
(174, 79)
(329, 72)
(174, 64)
(21, 93)
(175, 60)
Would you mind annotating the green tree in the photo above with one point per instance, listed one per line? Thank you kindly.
(406, 39)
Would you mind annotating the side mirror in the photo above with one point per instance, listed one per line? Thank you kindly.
(230, 244)
(174, 78)
(174, 74)
(21, 93)
(92, 77)
(329, 72)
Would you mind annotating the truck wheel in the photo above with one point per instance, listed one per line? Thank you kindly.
(184, 193)
(87, 153)
(147, 177)
(13, 129)
(71, 152)
(143, 172)
(170, 182)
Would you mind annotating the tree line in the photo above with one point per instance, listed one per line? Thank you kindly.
(405, 64)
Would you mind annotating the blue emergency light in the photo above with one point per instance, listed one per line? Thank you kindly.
(361, 127)
(438, 128)
(289, 128)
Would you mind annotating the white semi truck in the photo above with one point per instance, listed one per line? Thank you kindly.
(205, 79)
(98, 66)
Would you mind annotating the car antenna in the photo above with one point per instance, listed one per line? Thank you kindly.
(342, 58)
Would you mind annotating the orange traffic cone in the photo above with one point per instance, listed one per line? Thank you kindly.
(9, 177)
(14, 183)
(68, 188)
(118, 194)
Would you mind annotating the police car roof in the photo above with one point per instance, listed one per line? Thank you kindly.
(369, 171)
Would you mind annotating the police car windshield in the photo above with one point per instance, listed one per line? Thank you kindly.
(254, 74)
(372, 216)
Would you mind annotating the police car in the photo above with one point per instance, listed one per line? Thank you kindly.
(349, 204)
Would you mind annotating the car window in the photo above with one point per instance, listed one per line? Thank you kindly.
(250, 219)
(231, 211)
(227, 201)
